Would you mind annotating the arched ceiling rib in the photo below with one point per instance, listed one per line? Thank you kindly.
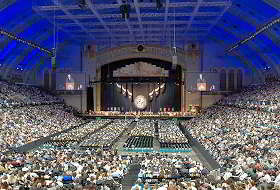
(146, 24)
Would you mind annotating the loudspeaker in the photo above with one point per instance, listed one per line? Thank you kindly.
(90, 102)
(174, 61)
(140, 48)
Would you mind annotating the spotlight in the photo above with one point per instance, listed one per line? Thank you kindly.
(30, 44)
(82, 4)
(159, 4)
(125, 10)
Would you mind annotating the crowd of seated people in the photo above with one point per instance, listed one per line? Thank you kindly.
(22, 125)
(141, 136)
(158, 170)
(170, 136)
(139, 142)
(244, 142)
(264, 97)
(73, 137)
(178, 172)
(54, 169)
(108, 135)
(143, 127)
(18, 95)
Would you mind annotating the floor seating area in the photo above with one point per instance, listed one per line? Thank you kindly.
(265, 97)
(75, 136)
(106, 136)
(12, 95)
(145, 142)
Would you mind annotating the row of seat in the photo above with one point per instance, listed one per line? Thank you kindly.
(139, 142)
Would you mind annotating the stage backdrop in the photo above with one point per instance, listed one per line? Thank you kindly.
(159, 96)
(168, 98)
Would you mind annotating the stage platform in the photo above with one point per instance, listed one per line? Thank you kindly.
(121, 116)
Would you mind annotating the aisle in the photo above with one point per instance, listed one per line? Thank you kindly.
(131, 177)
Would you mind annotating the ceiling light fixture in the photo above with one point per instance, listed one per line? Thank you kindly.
(159, 4)
(252, 36)
(20, 40)
(82, 4)
(125, 10)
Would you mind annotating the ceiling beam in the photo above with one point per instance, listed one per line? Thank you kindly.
(255, 23)
(50, 21)
(6, 3)
(194, 14)
(227, 6)
(127, 22)
(71, 16)
(94, 11)
(156, 35)
(141, 5)
(252, 46)
(165, 17)
(136, 23)
(139, 17)
(181, 29)
(273, 3)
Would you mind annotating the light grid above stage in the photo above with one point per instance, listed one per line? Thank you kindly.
(101, 21)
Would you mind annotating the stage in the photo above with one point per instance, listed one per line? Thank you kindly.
(138, 115)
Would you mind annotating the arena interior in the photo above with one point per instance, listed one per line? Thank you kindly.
(140, 94)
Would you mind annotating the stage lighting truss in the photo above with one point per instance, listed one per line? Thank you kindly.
(20, 40)
(252, 36)
(156, 91)
(124, 90)
(125, 10)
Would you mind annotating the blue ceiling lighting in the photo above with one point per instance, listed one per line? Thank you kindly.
(252, 36)
(249, 30)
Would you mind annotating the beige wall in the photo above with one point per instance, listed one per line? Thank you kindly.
(79, 102)
(194, 98)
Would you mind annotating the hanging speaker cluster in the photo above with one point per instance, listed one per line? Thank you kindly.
(82, 4)
(174, 58)
(140, 48)
(125, 10)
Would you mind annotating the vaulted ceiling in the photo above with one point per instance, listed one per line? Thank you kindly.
(222, 21)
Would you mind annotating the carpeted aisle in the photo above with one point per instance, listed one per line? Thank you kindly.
(132, 176)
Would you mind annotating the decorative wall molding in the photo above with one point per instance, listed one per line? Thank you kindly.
(154, 52)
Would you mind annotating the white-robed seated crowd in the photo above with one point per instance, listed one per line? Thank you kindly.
(22, 125)
(141, 113)
(262, 96)
(169, 132)
(143, 127)
(106, 136)
(244, 142)
(51, 169)
(74, 136)
(17, 95)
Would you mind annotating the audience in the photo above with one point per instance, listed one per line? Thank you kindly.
(144, 127)
(62, 169)
(76, 135)
(264, 97)
(245, 142)
(18, 95)
(169, 132)
(22, 125)
(106, 136)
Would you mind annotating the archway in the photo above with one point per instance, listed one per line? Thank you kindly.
(121, 84)
(239, 79)
(223, 80)
(231, 80)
